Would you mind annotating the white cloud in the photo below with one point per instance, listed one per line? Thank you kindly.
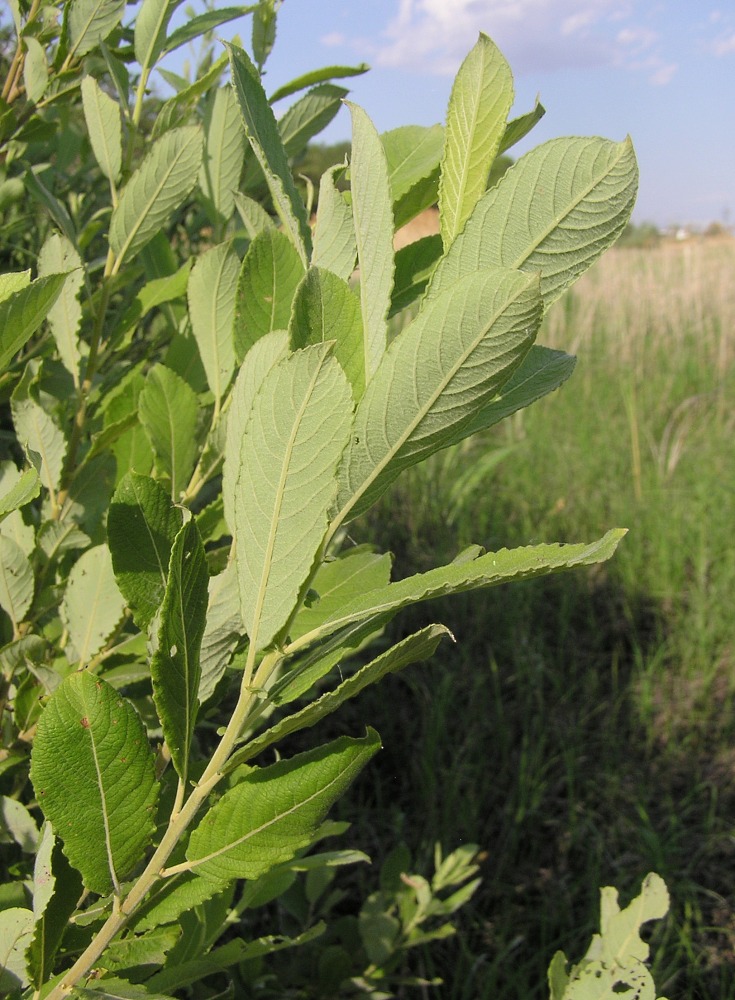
(535, 35)
(333, 38)
(724, 45)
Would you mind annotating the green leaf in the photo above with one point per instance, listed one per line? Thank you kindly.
(373, 218)
(259, 360)
(26, 488)
(482, 96)
(175, 668)
(17, 824)
(90, 22)
(485, 571)
(415, 648)
(169, 412)
(337, 582)
(204, 23)
(554, 213)
(155, 293)
(253, 215)
(541, 372)
(557, 976)
(142, 526)
(113, 988)
(415, 264)
(65, 315)
(519, 128)
(35, 70)
(422, 195)
(12, 282)
(224, 152)
(436, 375)
(413, 153)
(298, 428)
(93, 605)
(151, 25)
(620, 940)
(264, 30)
(161, 184)
(23, 311)
(317, 76)
(309, 116)
(211, 294)
(262, 133)
(102, 115)
(326, 309)
(222, 632)
(42, 439)
(94, 778)
(335, 244)
(56, 889)
(170, 899)
(16, 931)
(274, 811)
(270, 274)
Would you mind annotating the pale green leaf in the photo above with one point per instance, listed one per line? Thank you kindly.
(262, 133)
(23, 311)
(553, 213)
(335, 244)
(317, 76)
(337, 582)
(175, 668)
(308, 116)
(91, 21)
(26, 488)
(436, 375)
(147, 952)
(259, 360)
(415, 264)
(482, 96)
(621, 942)
(224, 152)
(424, 194)
(14, 6)
(102, 115)
(541, 372)
(65, 315)
(557, 976)
(211, 294)
(43, 876)
(151, 26)
(17, 825)
(13, 523)
(274, 811)
(94, 777)
(415, 648)
(16, 931)
(254, 216)
(373, 218)
(324, 309)
(42, 439)
(413, 153)
(113, 988)
(159, 186)
(56, 537)
(222, 632)
(12, 282)
(204, 23)
(155, 293)
(93, 605)
(298, 428)
(487, 570)
(169, 412)
(141, 526)
(270, 274)
(35, 70)
(56, 889)
(597, 981)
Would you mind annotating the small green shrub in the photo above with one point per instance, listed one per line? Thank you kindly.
(199, 397)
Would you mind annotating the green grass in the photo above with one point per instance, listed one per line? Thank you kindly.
(582, 728)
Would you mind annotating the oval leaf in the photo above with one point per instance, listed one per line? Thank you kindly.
(158, 187)
(169, 412)
(335, 245)
(94, 777)
(93, 605)
(554, 213)
(297, 431)
(102, 115)
(91, 21)
(224, 152)
(58, 255)
(211, 293)
(276, 810)
(23, 311)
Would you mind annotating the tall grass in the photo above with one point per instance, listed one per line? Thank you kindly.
(582, 730)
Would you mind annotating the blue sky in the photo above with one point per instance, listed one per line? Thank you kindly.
(664, 72)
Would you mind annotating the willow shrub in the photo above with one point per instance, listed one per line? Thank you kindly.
(201, 395)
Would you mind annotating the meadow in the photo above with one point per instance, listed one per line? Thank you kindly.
(581, 731)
